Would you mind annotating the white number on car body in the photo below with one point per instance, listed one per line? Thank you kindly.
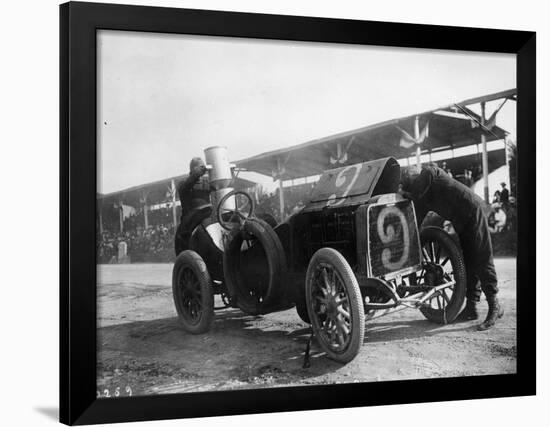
(389, 235)
(340, 180)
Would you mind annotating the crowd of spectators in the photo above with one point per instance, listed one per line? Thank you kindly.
(107, 247)
(295, 198)
(502, 216)
(156, 243)
(504, 211)
(466, 176)
(268, 204)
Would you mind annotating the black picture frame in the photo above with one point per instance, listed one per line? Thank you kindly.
(78, 25)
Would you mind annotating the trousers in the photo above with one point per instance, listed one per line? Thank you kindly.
(477, 249)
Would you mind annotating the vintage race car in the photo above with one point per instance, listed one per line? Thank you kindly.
(354, 252)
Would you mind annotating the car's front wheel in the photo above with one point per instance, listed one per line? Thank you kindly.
(334, 305)
(192, 292)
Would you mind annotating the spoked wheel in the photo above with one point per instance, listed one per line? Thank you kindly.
(334, 305)
(443, 263)
(234, 209)
(192, 292)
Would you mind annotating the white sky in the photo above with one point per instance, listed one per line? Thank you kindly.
(163, 99)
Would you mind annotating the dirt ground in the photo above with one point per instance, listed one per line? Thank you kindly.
(143, 350)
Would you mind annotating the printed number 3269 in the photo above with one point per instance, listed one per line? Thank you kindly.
(117, 392)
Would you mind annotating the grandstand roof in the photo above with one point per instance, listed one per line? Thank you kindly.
(451, 126)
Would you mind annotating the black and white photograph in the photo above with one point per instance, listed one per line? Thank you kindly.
(275, 213)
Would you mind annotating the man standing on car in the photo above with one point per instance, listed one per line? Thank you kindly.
(432, 189)
(194, 193)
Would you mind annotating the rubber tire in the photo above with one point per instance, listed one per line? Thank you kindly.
(343, 269)
(276, 260)
(457, 261)
(268, 218)
(192, 260)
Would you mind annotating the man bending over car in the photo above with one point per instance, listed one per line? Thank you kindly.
(432, 189)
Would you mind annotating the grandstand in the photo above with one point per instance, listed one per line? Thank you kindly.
(467, 144)
(145, 218)
(151, 204)
(447, 133)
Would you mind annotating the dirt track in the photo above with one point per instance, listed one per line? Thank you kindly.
(141, 345)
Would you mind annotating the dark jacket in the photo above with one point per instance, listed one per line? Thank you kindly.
(194, 191)
(434, 190)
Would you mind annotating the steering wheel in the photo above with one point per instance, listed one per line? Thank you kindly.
(240, 210)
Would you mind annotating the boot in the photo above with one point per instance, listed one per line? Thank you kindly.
(469, 312)
(495, 312)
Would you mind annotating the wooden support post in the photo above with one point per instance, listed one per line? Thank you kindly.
(145, 216)
(505, 140)
(484, 157)
(417, 137)
(281, 200)
(121, 216)
(100, 216)
(281, 194)
(143, 200)
(174, 207)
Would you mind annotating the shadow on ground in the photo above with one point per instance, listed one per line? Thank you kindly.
(239, 348)
(49, 412)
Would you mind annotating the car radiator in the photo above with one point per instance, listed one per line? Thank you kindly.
(393, 244)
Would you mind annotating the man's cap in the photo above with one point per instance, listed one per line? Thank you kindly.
(196, 162)
(408, 175)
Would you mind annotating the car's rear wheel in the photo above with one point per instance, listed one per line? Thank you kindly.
(192, 292)
(268, 218)
(443, 263)
(334, 305)
(255, 268)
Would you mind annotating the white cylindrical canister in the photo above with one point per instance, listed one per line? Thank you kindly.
(216, 196)
(219, 175)
(219, 168)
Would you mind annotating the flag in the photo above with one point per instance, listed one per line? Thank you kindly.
(492, 121)
(342, 159)
(341, 156)
(408, 141)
